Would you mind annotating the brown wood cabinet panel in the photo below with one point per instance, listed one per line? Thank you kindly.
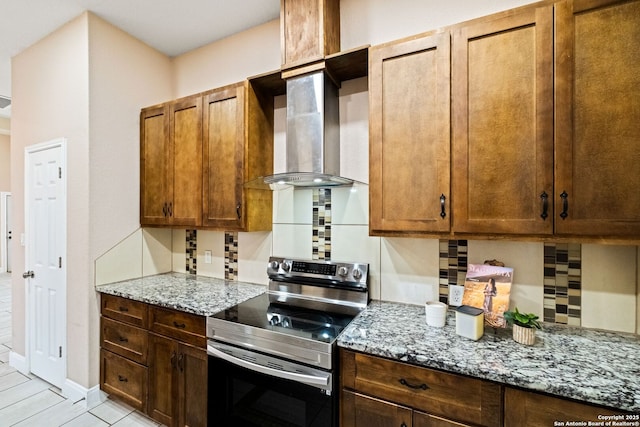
(455, 397)
(154, 164)
(409, 121)
(425, 420)
(597, 116)
(163, 359)
(125, 310)
(186, 327)
(309, 30)
(238, 148)
(185, 199)
(127, 341)
(123, 379)
(358, 410)
(192, 386)
(529, 409)
(502, 94)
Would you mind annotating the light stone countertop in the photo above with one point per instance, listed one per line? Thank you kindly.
(185, 292)
(599, 367)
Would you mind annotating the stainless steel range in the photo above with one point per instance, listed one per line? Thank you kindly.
(273, 358)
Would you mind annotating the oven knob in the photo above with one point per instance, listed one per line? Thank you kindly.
(343, 271)
(357, 273)
(274, 265)
(286, 266)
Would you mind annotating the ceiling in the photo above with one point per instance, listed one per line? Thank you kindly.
(170, 26)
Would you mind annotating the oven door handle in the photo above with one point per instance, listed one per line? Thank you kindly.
(322, 380)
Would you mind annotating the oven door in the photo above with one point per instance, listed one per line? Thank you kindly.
(252, 389)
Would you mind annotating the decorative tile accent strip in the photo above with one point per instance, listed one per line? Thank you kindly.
(453, 265)
(231, 255)
(563, 283)
(191, 251)
(321, 239)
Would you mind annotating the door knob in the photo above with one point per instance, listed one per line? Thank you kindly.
(28, 274)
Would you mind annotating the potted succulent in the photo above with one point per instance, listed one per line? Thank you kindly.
(524, 326)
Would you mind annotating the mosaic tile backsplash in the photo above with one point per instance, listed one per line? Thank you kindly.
(562, 277)
(321, 244)
(191, 251)
(231, 255)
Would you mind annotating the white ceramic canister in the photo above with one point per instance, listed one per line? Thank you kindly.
(436, 313)
(470, 322)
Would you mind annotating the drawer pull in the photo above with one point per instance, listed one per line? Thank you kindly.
(122, 379)
(123, 309)
(179, 325)
(422, 386)
(123, 339)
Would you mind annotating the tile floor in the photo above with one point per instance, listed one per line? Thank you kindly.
(27, 401)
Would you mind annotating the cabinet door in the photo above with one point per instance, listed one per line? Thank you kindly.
(154, 165)
(192, 386)
(598, 111)
(358, 410)
(163, 357)
(421, 419)
(223, 157)
(409, 163)
(185, 173)
(502, 94)
(528, 409)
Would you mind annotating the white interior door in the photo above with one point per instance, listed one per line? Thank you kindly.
(5, 232)
(45, 212)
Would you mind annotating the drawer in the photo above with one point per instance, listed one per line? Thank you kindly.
(123, 379)
(125, 340)
(186, 327)
(455, 397)
(125, 310)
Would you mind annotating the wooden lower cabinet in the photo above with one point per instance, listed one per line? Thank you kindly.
(124, 379)
(381, 392)
(530, 409)
(177, 382)
(364, 411)
(155, 360)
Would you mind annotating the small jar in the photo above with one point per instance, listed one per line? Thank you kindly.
(470, 322)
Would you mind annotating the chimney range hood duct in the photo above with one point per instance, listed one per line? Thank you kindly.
(313, 134)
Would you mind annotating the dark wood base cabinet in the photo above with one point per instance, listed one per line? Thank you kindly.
(155, 360)
(380, 392)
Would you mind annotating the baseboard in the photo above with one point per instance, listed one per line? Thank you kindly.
(89, 397)
(19, 362)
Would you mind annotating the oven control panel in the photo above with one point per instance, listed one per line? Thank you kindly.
(348, 273)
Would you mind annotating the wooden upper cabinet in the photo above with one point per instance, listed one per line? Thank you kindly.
(502, 95)
(309, 30)
(409, 121)
(597, 118)
(238, 147)
(171, 163)
(154, 164)
(186, 161)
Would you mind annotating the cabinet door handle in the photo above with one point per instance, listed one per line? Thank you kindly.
(179, 325)
(422, 386)
(123, 309)
(123, 339)
(238, 212)
(170, 208)
(545, 205)
(443, 213)
(180, 362)
(122, 379)
(164, 209)
(403, 425)
(173, 359)
(565, 205)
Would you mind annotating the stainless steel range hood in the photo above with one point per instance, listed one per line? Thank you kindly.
(313, 134)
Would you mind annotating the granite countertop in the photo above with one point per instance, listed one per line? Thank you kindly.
(593, 366)
(185, 292)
